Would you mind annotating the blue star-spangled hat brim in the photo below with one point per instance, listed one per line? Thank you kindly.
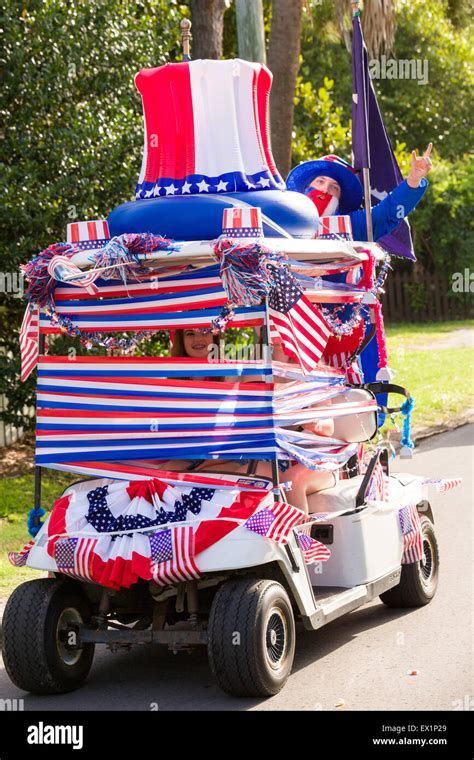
(351, 189)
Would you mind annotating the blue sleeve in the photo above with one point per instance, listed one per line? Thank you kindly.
(387, 214)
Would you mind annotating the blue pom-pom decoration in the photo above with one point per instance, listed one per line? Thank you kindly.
(406, 410)
(34, 520)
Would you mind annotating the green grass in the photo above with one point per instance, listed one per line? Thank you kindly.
(407, 329)
(16, 499)
(440, 378)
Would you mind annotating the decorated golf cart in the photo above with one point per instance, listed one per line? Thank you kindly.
(182, 530)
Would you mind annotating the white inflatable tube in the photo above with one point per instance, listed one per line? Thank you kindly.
(200, 253)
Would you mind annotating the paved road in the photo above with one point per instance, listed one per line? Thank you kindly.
(362, 659)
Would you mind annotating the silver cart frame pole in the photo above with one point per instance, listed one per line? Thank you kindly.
(38, 469)
(267, 354)
(365, 171)
(368, 205)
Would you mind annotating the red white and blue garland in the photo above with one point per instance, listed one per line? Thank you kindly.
(119, 258)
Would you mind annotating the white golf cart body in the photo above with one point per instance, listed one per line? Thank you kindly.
(366, 546)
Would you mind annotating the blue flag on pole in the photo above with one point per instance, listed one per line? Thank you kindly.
(371, 146)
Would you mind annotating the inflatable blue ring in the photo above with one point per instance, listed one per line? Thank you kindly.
(199, 217)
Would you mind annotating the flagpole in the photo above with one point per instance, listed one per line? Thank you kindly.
(367, 203)
(365, 170)
(38, 470)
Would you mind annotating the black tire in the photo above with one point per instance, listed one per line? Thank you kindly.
(251, 637)
(419, 580)
(36, 657)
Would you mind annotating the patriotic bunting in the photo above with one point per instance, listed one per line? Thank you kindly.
(116, 533)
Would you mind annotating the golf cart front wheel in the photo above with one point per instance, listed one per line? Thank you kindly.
(39, 649)
(419, 580)
(251, 642)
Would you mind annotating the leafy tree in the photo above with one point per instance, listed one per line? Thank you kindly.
(319, 126)
(73, 130)
(414, 114)
(444, 228)
(427, 30)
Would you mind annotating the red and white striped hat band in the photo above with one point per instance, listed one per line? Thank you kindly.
(334, 228)
(242, 223)
(88, 235)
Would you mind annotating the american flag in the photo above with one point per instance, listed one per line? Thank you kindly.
(74, 556)
(377, 489)
(410, 525)
(29, 334)
(443, 484)
(300, 325)
(172, 556)
(353, 371)
(275, 522)
(311, 549)
(19, 558)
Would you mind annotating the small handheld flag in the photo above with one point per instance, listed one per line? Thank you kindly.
(29, 337)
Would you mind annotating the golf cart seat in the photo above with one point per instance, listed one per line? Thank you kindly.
(351, 494)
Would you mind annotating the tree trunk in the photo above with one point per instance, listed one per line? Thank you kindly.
(283, 61)
(250, 30)
(207, 18)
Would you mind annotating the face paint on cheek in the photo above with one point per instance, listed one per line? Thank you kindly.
(326, 203)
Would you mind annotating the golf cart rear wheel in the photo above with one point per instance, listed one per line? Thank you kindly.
(251, 637)
(39, 625)
(419, 580)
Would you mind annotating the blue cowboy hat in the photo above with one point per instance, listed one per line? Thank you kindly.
(329, 166)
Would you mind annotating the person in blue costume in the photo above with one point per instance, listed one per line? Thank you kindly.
(335, 188)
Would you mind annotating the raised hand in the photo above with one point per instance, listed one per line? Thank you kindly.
(420, 166)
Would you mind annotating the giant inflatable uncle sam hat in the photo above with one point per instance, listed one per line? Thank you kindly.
(301, 176)
(206, 129)
(207, 148)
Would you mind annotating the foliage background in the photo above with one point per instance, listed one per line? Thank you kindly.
(72, 136)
